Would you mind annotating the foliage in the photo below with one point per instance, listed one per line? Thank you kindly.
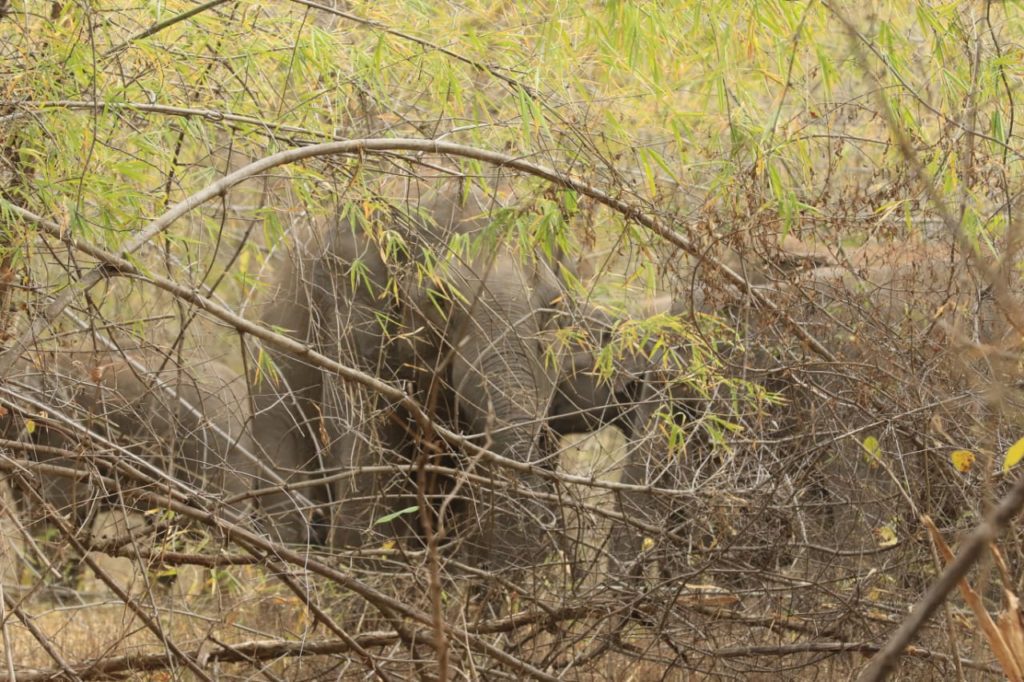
(742, 127)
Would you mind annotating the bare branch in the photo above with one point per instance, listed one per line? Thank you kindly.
(970, 550)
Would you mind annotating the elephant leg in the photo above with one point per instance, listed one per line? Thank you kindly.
(371, 456)
(35, 496)
(284, 425)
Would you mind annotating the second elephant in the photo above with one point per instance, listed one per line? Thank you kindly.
(189, 424)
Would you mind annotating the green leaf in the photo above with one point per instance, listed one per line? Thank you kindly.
(1014, 454)
(387, 518)
(873, 450)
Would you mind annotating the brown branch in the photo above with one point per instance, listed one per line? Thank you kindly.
(169, 558)
(863, 40)
(970, 551)
(433, 565)
(837, 647)
(778, 622)
(258, 544)
(242, 652)
(973, 599)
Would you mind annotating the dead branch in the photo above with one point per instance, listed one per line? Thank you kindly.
(970, 550)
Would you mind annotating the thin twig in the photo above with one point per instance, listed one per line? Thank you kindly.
(39, 636)
(167, 23)
(8, 646)
(171, 649)
(482, 66)
(156, 496)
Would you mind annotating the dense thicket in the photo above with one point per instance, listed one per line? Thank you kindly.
(785, 241)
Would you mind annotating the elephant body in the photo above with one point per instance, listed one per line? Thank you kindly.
(190, 423)
(462, 329)
(923, 303)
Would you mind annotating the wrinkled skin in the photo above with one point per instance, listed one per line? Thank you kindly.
(469, 346)
(490, 370)
(103, 392)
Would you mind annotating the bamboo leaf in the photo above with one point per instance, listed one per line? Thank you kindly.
(1013, 455)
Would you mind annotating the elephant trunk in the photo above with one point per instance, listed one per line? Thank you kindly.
(503, 394)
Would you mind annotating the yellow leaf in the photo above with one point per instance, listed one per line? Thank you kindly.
(1014, 454)
(648, 544)
(388, 545)
(886, 536)
(963, 460)
(30, 426)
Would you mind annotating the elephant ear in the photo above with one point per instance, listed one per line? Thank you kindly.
(627, 377)
(631, 372)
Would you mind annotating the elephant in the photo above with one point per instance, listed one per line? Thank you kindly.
(668, 387)
(188, 423)
(636, 397)
(398, 294)
(892, 320)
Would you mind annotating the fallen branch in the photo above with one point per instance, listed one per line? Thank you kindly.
(838, 647)
(242, 652)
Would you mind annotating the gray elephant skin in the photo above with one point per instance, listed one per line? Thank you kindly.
(463, 330)
(135, 401)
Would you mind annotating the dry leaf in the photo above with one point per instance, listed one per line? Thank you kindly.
(1014, 454)
(1009, 623)
(962, 460)
(886, 536)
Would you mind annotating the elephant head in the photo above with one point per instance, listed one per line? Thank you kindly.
(488, 357)
(640, 396)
